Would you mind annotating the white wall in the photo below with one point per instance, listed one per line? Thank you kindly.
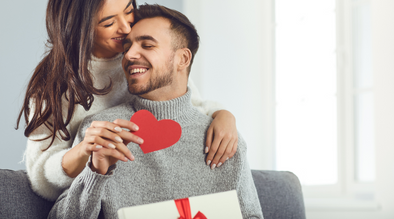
(173, 4)
(22, 40)
(230, 66)
(383, 66)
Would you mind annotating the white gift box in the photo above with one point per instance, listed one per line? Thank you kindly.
(213, 206)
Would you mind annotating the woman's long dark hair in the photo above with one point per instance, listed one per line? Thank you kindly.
(64, 69)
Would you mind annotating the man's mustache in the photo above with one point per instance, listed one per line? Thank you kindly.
(129, 63)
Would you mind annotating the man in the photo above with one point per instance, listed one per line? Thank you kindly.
(159, 52)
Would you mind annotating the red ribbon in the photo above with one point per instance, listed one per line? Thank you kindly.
(183, 206)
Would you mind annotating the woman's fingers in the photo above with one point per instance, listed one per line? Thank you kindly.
(124, 151)
(104, 158)
(221, 137)
(223, 147)
(224, 144)
(126, 124)
(102, 136)
(208, 141)
(212, 151)
(229, 152)
(107, 125)
(128, 136)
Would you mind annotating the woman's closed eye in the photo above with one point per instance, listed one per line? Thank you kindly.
(131, 11)
(108, 25)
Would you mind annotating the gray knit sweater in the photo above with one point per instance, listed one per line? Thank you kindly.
(172, 173)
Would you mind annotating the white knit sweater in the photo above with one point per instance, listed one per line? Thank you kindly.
(44, 168)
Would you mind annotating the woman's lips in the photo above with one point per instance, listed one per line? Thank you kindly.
(118, 39)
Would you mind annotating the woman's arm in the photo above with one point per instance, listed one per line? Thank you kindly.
(52, 169)
(43, 164)
(222, 136)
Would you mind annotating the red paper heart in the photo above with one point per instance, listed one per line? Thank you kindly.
(157, 135)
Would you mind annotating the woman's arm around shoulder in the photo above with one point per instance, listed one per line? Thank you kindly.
(222, 136)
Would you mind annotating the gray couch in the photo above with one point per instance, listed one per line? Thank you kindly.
(279, 193)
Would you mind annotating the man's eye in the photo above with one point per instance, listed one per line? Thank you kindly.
(147, 46)
(125, 50)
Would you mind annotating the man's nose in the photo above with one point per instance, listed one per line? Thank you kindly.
(132, 53)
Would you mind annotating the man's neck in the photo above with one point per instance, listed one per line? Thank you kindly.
(166, 93)
(165, 109)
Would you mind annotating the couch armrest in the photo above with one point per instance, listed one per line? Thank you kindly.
(280, 194)
(17, 200)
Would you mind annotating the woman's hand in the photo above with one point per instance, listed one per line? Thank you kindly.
(110, 135)
(116, 142)
(109, 138)
(222, 138)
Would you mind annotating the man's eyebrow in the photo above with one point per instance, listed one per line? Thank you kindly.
(139, 38)
(145, 37)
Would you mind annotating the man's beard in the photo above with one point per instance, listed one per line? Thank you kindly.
(154, 83)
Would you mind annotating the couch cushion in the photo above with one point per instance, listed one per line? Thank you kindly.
(280, 194)
(17, 200)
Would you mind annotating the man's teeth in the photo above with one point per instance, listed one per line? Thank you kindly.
(138, 70)
(120, 38)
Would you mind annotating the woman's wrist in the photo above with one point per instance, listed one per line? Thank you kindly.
(74, 161)
(224, 113)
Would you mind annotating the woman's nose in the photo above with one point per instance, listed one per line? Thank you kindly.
(124, 26)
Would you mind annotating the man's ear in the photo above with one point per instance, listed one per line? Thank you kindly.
(184, 58)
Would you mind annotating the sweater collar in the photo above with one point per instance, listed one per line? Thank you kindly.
(176, 109)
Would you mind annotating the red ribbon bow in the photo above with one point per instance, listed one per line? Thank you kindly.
(183, 206)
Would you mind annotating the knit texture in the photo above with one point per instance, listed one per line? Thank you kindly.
(172, 173)
(44, 168)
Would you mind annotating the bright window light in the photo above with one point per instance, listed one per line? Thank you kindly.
(306, 77)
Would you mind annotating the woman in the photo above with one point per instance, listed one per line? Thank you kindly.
(81, 75)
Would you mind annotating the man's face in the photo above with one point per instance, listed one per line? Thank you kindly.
(148, 60)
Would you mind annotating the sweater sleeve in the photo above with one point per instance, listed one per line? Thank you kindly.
(83, 198)
(246, 189)
(43, 164)
(206, 107)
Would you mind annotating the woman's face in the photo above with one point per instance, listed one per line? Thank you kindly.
(114, 21)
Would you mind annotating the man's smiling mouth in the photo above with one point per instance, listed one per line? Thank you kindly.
(138, 70)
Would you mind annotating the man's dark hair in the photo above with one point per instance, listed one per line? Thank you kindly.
(185, 34)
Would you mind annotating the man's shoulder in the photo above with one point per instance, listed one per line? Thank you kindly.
(198, 118)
